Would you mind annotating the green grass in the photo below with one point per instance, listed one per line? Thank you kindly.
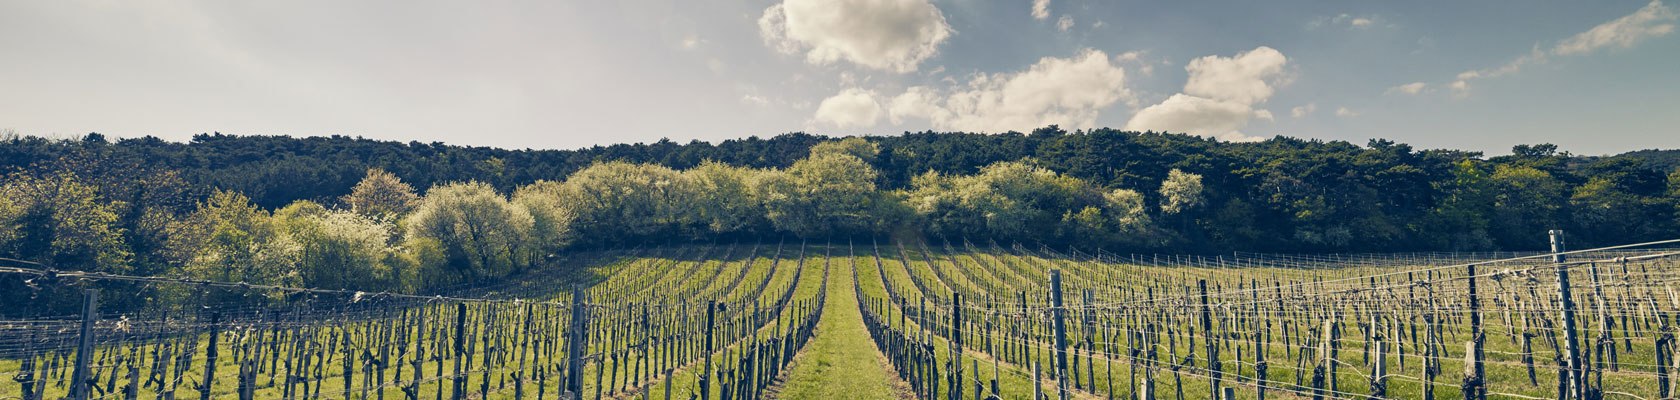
(841, 361)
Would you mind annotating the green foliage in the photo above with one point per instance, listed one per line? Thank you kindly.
(1528, 203)
(1282, 194)
(1181, 191)
(1463, 213)
(619, 200)
(381, 195)
(828, 193)
(551, 218)
(722, 198)
(60, 220)
(481, 234)
(344, 250)
(229, 239)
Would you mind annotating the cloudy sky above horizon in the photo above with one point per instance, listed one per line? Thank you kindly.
(1593, 77)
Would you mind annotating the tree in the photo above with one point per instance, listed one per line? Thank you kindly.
(229, 239)
(853, 146)
(551, 218)
(721, 198)
(1007, 200)
(342, 249)
(481, 234)
(61, 221)
(1461, 220)
(619, 200)
(1527, 204)
(830, 192)
(1180, 191)
(381, 195)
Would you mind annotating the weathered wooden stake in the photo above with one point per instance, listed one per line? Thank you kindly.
(80, 382)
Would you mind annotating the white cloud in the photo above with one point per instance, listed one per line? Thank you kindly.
(1064, 23)
(1041, 9)
(892, 35)
(1410, 88)
(1220, 96)
(1652, 20)
(852, 107)
(1303, 111)
(1344, 112)
(1246, 78)
(1197, 115)
(1360, 22)
(1065, 91)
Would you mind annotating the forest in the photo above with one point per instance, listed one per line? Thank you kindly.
(344, 212)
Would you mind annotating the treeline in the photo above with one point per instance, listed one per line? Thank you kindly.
(347, 212)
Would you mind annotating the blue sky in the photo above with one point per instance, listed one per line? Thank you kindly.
(1594, 77)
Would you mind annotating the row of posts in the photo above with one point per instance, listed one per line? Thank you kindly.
(577, 339)
(1475, 383)
(1474, 386)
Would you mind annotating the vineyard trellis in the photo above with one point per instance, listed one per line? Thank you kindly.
(1256, 326)
(723, 321)
(630, 333)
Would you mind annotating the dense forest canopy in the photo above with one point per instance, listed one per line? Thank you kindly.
(353, 212)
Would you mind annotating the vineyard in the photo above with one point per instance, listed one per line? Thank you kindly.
(936, 319)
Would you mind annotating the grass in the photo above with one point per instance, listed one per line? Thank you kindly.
(841, 361)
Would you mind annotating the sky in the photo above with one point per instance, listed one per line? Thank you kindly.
(1594, 77)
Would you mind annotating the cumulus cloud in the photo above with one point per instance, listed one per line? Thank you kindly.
(1066, 91)
(1197, 115)
(1065, 23)
(1246, 78)
(1653, 20)
(1410, 88)
(1344, 112)
(891, 35)
(1220, 96)
(1041, 9)
(852, 107)
(1303, 111)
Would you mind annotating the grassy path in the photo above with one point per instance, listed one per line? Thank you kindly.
(841, 361)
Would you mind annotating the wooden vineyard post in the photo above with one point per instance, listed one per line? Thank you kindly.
(460, 387)
(1379, 370)
(1207, 330)
(576, 344)
(1572, 351)
(524, 345)
(210, 355)
(1038, 388)
(1261, 326)
(1058, 314)
(706, 372)
(1431, 365)
(80, 383)
(1475, 387)
(956, 346)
